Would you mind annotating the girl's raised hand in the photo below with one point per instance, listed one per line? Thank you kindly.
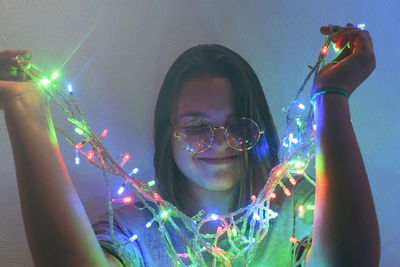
(9, 63)
(353, 65)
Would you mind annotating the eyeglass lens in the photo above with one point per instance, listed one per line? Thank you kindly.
(197, 136)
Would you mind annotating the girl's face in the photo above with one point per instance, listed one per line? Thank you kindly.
(209, 100)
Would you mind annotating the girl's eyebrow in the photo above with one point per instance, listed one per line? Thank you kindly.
(200, 115)
(194, 114)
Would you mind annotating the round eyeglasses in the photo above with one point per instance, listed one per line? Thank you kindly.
(198, 136)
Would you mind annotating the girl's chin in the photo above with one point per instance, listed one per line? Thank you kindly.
(218, 184)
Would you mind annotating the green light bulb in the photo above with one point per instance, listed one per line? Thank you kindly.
(44, 82)
(78, 131)
(55, 75)
(299, 164)
(337, 50)
(234, 232)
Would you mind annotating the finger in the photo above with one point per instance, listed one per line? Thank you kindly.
(6, 54)
(358, 40)
(19, 63)
(24, 53)
(34, 74)
(6, 84)
(349, 27)
(336, 29)
(345, 52)
(368, 36)
(327, 29)
(343, 38)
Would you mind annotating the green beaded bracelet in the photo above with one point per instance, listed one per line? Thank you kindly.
(329, 91)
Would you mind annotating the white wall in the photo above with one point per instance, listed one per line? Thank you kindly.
(124, 48)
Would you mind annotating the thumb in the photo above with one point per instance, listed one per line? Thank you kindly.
(6, 85)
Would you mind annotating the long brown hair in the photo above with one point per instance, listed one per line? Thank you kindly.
(249, 101)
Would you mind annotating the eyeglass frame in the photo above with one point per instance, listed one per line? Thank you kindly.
(225, 128)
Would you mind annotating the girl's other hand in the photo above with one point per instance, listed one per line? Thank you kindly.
(353, 65)
(14, 93)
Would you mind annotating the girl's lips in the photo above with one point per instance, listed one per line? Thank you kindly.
(218, 160)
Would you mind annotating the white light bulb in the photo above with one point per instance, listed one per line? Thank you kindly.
(285, 145)
(256, 216)
(77, 160)
(214, 216)
(150, 222)
(133, 238)
(121, 190)
(133, 171)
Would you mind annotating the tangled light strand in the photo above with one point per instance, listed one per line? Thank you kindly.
(244, 228)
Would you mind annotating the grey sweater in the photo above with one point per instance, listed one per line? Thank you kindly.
(148, 249)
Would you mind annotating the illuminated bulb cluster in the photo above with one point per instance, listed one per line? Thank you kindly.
(294, 154)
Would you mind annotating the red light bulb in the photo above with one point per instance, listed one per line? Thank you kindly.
(127, 200)
(324, 50)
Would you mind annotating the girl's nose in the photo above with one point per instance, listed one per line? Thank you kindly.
(219, 137)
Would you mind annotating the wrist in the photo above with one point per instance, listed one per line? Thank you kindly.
(27, 113)
(328, 91)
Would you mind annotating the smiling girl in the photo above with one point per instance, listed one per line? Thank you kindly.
(215, 143)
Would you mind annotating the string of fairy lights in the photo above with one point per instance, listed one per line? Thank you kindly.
(244, 228)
